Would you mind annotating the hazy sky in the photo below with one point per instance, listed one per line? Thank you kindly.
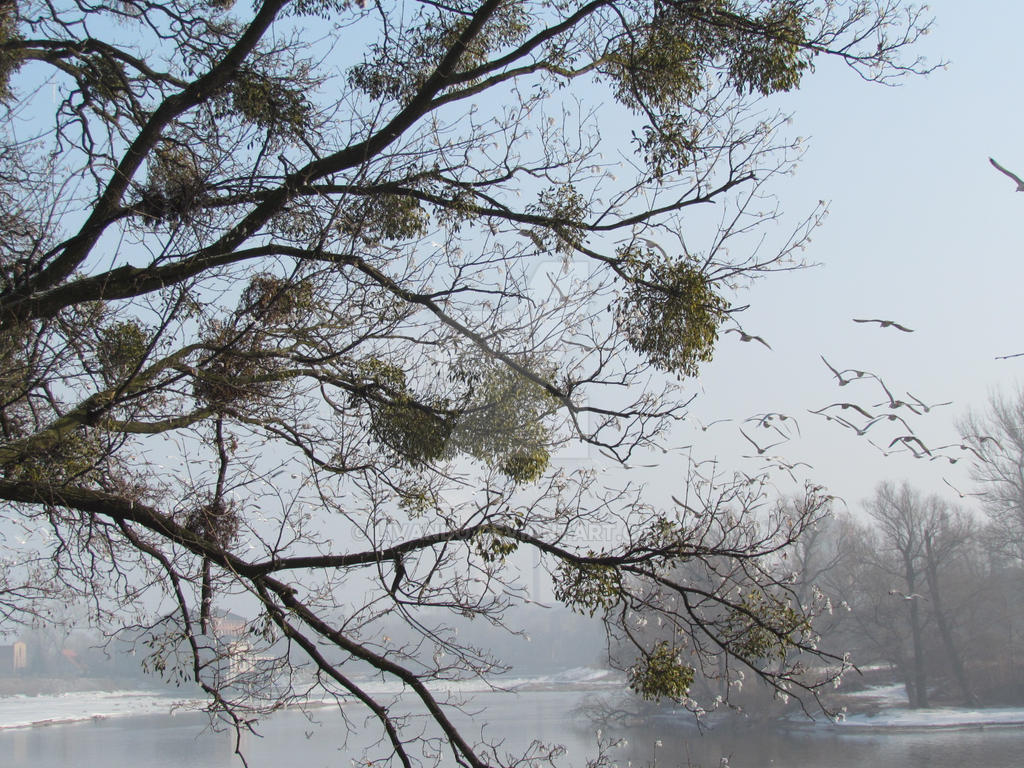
(921, 230)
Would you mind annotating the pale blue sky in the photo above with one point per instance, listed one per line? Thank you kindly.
(921, 230)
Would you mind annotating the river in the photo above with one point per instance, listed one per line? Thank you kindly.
(288, 739)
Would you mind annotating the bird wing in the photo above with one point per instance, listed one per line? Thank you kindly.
(855, 407)
(834, 371)
(652, 244)
(884, 323)
(744, 336)
(1011, 174)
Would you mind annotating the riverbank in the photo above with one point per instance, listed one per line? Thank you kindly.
(39, 686)
(883, 708)
(69, 708)
(515, 722)
(37, 702)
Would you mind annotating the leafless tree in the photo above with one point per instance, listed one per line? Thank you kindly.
(925, 537)
(996, 440)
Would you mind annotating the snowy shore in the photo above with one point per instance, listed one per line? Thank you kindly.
(939, 717)
(23, 711)
(877, 709)
(884, 708)
(67, 708)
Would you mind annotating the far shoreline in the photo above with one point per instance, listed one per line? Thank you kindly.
(50, 686)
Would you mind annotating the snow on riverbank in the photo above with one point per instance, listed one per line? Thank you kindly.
(576, 679)
(883, 708)
(82, 706)
(937, 717)
(876, 709)
(569, 680)
(22, 711)
(887, 695)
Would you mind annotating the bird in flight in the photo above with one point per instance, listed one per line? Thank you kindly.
(1011, 174)
(758, 448)
(845, 406)
(890, 417)
(885, 324)
(652, 244)
(924, 407)
(710, 424)
(767, 420)
(744, 336)
(960, 493)
(780, 463)
(981, 439)
(907, 440)
(843, 381)
(911, 596)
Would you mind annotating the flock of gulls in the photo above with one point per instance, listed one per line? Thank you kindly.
(861, 419)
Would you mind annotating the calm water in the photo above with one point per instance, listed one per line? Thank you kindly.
(288, 739)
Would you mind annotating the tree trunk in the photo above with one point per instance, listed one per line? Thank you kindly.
(206, 599)
(920, 678)
(920, 699)
(955, 659)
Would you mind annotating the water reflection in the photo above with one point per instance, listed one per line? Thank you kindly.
(510, 724)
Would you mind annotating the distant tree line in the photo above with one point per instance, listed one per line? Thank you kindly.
(908, 583)
(923, 585)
